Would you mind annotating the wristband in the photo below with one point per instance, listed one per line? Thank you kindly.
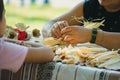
(94, 35)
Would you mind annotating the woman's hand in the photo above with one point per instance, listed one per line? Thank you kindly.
(57, 27)
(76, 34)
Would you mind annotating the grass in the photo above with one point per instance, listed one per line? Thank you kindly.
(34, 16)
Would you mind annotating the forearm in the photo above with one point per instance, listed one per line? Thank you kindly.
(41, 54)
(108, 40)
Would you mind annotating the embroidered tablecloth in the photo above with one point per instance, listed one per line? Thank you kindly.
(59, 71)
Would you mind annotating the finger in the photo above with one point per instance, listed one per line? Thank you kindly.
(54, 33)
(65, 30)
(58, 30)
(65, 23)
(55, 30)
(72, 41)
(67, 38)
(63, 36)
(61, 25)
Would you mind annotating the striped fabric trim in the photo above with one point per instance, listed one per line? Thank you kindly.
(94, 75)
(0, 74)
(5, 75)
(27, 72)
(76, 70)
(44, 71)
(58, 71)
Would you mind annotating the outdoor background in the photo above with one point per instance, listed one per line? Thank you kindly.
(35, 13)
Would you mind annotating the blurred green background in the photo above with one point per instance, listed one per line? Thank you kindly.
(34, 16)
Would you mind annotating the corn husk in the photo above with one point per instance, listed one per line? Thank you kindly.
(89, 24)
(102, 57)
(111, 62)
(51, 41)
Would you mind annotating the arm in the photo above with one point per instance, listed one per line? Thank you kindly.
(39, 54)
(110, 40)
(36, 52)
(77, 34)
(76, 11)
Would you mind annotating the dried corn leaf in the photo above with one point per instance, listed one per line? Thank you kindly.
(89, 24)
(51, 41)
(102, 57)
(110, 62)
(115, 66)
(93, 49)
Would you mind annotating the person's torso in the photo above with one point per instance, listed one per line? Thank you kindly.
(92, 10)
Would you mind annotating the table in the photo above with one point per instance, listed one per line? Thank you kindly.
(59, 71)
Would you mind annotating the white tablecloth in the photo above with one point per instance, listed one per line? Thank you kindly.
(77, 72)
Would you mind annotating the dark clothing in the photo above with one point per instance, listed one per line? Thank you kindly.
(93, 10)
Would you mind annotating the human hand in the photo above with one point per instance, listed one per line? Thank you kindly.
(57, 27)
(76, 34)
